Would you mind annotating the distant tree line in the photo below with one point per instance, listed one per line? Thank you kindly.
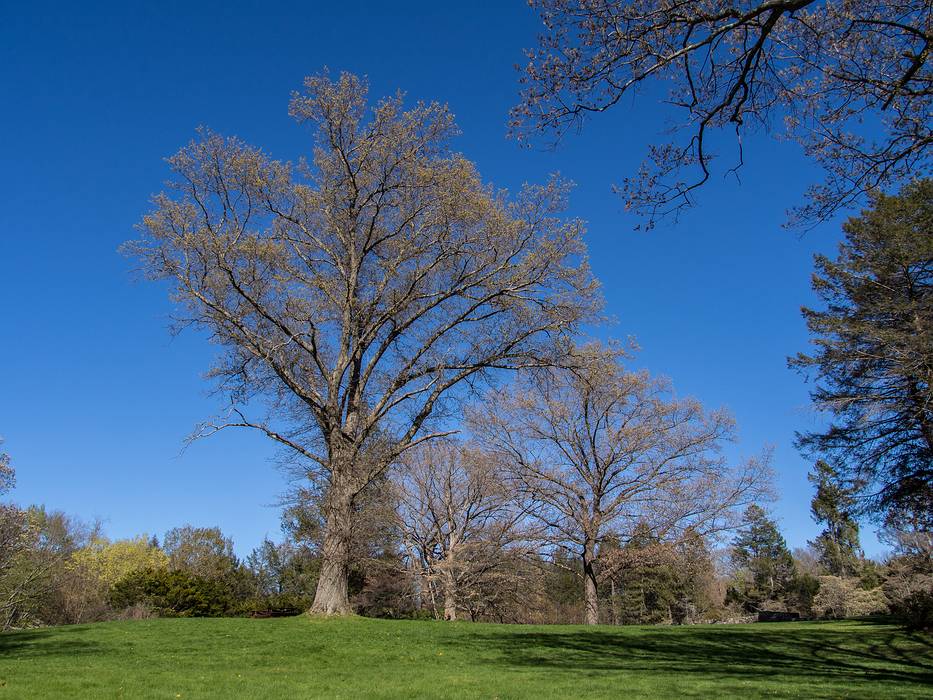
(452, 543)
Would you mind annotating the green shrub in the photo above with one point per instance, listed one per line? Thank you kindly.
(917, 610)
(171, 593)
(273, 605)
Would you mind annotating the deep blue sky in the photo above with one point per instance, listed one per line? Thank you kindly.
(96, 398)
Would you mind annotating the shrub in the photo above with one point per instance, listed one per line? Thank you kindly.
(910, 589)
(842, 597)
(171, 593)
(916, 609)
(277, 605)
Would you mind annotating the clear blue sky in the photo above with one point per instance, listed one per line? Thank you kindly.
(96, 398)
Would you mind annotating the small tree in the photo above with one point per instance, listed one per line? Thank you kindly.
(838, 543)
(109, 561)
(202, 551)
(283, 571)
(653, 581)
(597, 450)
(39, 584)
(873, 356)
(762, 559)
(358, 293)
(90, 573)
(458, 516)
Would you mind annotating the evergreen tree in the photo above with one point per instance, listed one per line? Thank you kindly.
(873, 356)
(645, 583)
(655, 581)
(838, 543)
(766, 565)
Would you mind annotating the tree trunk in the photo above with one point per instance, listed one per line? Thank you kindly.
(590, 596)
(612, 601)
(450, 580)
(450, 596)
(331, 596)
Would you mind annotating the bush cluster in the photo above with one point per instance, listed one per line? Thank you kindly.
(172, 594)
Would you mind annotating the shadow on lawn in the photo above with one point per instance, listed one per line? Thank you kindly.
(795, 655)
(48, 641)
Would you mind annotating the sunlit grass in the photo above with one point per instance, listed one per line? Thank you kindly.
(361, 658)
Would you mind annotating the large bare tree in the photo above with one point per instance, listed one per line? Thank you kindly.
(852, 82)
(355, 293)
(599, 451)
(459, 516)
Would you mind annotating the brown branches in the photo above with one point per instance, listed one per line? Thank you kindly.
(595, 449)
(354, 296)
(851, 80)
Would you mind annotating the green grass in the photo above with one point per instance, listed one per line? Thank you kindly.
(362, 658)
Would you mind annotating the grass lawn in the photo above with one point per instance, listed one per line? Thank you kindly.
(362, 658)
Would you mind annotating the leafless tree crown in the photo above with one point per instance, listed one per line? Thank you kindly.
(851, 81)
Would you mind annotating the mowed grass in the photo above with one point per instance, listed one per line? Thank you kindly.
(363, 658)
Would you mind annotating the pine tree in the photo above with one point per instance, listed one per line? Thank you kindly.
(873, 354)
(760, 552)
(838, 543)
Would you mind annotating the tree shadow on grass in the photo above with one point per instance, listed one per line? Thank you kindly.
(47, 641)
(805, 655)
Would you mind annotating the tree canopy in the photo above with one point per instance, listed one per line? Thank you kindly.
(873, 353)
(851, 81)
(759, 550)
(355, 292)
(832, 505)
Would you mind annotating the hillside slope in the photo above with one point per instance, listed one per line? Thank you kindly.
(357, 658)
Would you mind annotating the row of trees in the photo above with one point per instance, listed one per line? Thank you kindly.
(447, 538)
(365, 300)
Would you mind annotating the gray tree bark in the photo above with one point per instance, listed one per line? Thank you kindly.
(331, 596)
(590, 596)
(450, 597)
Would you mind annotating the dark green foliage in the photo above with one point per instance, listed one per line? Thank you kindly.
(279, 605)
(838, 543)
(873, 359)
(646, 595)
(284, 569)
(765, 566)
(652, 581)
(172, 593)
(801, 590)
(870, 575)
(562, 584)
